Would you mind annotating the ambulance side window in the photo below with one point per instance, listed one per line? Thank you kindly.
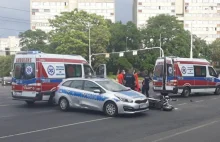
(73, 70)
(200, 71)
(212, 72)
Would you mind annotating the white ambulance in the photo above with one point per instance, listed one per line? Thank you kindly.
(185, 76)
(36, 75)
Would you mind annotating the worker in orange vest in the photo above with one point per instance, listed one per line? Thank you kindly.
(137, 85)
(120, 77)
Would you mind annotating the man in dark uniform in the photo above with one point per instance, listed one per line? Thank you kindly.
(129, 80)
(146, 85)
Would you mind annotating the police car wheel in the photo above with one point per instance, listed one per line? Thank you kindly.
(186, 92)
(110, 109)
(217, 90)
(64, 104)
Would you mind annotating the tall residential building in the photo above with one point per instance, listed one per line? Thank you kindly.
(42, 10)
(10, 44)
(202, 17)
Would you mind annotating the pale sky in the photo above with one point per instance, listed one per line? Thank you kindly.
(123, 13)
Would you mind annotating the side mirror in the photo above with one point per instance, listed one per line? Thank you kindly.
(97, 91)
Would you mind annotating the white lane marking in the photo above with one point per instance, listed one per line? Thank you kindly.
(214, 98)
(52, 128)
(199, 101)
(179, 133)
(182, 104)
(9, 105)
(47, 111)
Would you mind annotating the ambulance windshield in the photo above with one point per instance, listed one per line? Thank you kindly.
(24, 70)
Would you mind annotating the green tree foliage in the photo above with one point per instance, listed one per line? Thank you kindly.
(71, 33)
(215, 50)
(35, 40)
(174, 39)
(124, 35)
(6, 63)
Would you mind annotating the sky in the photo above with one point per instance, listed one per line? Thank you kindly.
(12, 27)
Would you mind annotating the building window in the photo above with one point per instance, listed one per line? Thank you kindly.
(173, 3)
(159, 7)
(33, 13)
(140, 3)
(112, 13)
(35, 10)
(140, 11)
(46, 10)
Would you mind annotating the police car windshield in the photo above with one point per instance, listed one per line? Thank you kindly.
(112, 86)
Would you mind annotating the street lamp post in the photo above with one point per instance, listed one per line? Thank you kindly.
(126, 44)
(90, 57)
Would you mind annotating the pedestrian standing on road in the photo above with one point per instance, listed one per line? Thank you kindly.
(120, 77)
(137, 85)
(129, 80)
(146, 86)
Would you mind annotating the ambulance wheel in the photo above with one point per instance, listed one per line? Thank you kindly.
(186, 92)
(29, 102)
(64, 104)
(217, 91)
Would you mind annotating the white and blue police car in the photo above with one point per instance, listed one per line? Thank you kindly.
(99, 94)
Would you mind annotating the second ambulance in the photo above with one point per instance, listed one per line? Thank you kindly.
(36, 75)
(185, 76)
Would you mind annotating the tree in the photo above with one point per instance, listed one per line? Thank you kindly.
(34, 40)
(215, 50)
(6, 63)
(71, 33)
(124, 35)
(174, 39)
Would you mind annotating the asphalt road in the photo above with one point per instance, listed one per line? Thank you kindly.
(195, 119)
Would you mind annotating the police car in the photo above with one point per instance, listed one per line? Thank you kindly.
(99, 94)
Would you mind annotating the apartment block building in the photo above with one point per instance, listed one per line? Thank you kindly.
(10, 44)
(202, 17)
(42, 10)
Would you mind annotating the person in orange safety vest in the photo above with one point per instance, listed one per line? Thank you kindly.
(137, 85)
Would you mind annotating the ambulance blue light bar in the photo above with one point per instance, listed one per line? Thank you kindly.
(29, 52)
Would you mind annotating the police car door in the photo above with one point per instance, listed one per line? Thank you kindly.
(91, 99)
(101, 71)
(77, 92)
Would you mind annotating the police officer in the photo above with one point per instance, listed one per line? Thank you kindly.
(146, 85)
(129, 80)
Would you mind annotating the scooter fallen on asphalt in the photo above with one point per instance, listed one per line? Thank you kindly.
(160, 102)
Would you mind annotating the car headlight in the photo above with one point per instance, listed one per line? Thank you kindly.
(125, 100)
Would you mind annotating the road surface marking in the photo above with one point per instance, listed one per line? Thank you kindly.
(27, 114)
(9, 105)
(199, 101)
(52, 128)
(186, 131)
(214, 98)
(182, 104)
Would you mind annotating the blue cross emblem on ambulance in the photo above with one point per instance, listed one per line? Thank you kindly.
(183, 70)
(50, 70)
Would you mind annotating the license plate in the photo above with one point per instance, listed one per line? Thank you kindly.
(17, 93)
(143, 105)
(158, 88)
